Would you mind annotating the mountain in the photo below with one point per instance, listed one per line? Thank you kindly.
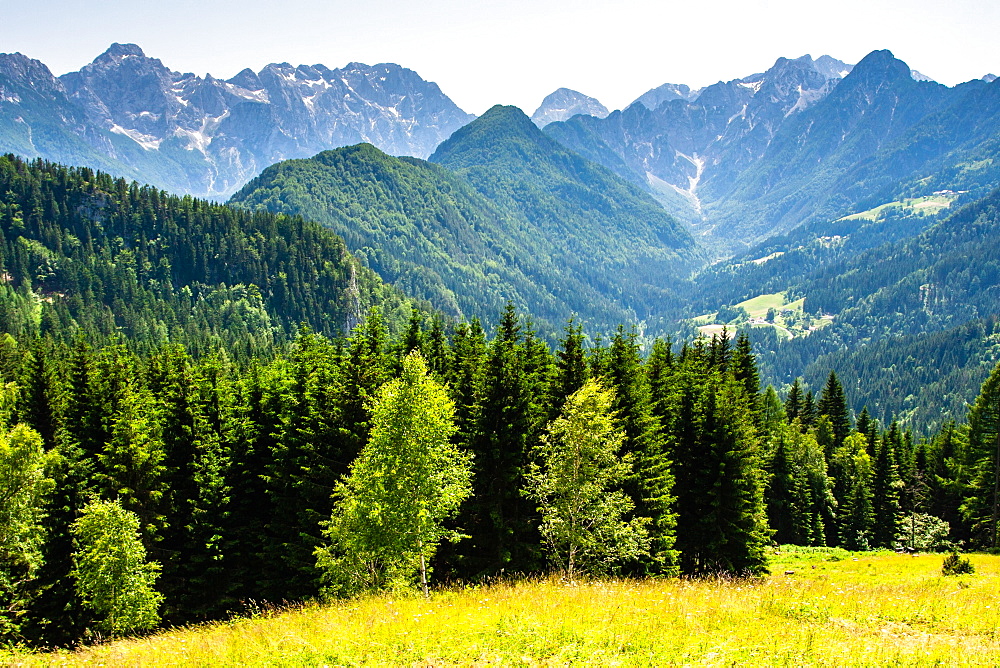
(501, 212)
(132, 115)
(689, 140)
(749, 158)
(84, 252)
(651, 99)
(579, 205)
(565, 103)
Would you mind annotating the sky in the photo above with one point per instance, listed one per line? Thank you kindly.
(484, 52)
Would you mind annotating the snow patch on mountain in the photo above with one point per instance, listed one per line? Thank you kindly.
(148, 142)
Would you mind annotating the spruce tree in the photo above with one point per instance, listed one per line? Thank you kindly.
(794, 402)
(721, 512)
(851, 469)
(571, 364)
(981, 507)
(808, 413)
(502, 524)
(650, 486)
(886, 489)
(833, 404)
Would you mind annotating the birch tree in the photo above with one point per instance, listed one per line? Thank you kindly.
(390, 510)
(574, 478)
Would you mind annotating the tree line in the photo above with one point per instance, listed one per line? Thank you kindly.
(222, 483)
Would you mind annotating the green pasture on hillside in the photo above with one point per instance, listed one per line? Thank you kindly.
(818, 607)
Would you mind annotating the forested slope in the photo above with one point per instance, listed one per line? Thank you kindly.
(430, 233)
(506, 214)
(83, 251)
(910, 310)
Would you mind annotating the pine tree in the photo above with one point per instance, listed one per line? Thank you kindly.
(722, 519)
(131, 464)
(981, 507)
(799, 495)
(886, 488)
(794, 402)
(321, 431)
(502, 524)
(571, 365)
(808, 413)
(650, 485)
(833, 404)
(851, 469)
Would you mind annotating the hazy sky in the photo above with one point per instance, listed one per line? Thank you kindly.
(515, 51)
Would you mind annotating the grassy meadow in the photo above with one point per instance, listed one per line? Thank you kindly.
(834, 608)
(757, 308)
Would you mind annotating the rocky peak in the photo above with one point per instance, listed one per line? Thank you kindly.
(832, 68)
(18, 66)
(564, 103)
(246, 79)
(118, 52)
(654, 97)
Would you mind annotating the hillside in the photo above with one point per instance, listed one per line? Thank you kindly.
(82, 251)
(504, 214)
(912, 296)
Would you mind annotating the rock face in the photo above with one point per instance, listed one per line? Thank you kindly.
(651, 99)
(563, 104)
(206, 136)
(744, 159)
(676, 140)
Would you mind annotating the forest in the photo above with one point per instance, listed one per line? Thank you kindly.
(206, 410)
(222, 476)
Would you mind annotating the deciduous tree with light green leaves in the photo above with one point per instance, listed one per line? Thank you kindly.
(23, 484)
(573, 477)
(112, 574)
(409, 478)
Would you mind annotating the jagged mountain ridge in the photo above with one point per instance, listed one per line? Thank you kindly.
(205, 136)
(741, 160)
(673, 140)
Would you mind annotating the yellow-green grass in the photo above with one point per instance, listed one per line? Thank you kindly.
(868, 609)
(929, 204)
(756, 307)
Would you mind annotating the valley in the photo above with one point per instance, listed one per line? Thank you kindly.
(319, 336)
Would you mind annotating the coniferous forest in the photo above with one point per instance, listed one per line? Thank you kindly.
(197, 411)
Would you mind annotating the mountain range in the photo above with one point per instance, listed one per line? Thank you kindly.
(805, 140)
(862, 194)
(131, 115)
